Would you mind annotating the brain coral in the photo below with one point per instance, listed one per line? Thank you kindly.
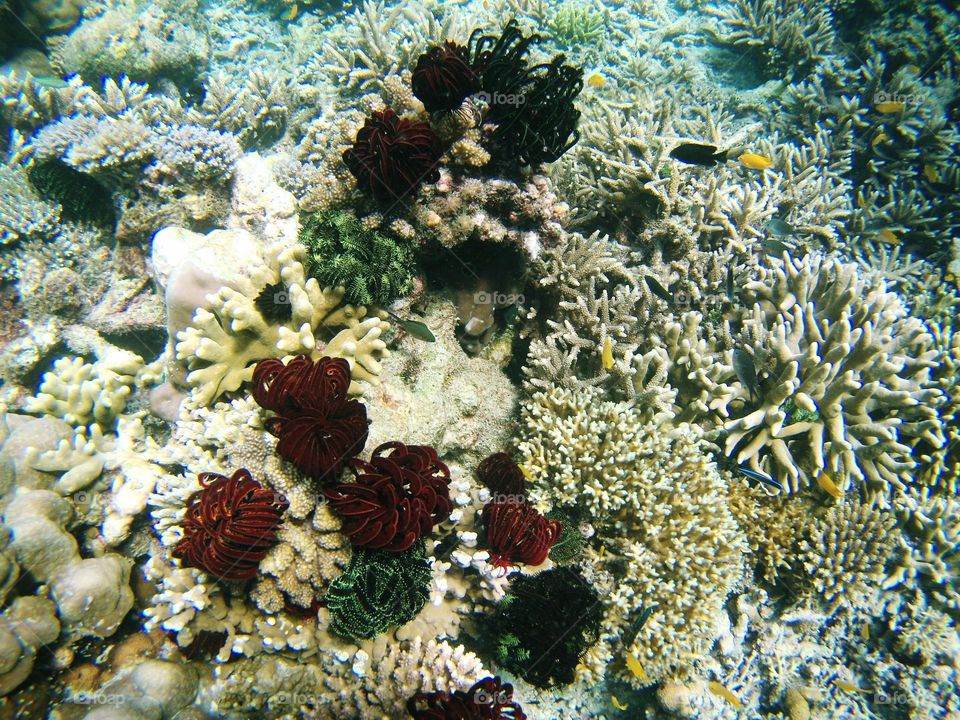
(222, 344)
(671, 542)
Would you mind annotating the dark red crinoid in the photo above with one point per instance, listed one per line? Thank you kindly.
(487, 699)
(518, 533)
(396, 499)
(502, 476)
(319, 428)
(230, 525)
(443, 77)
(391, 155)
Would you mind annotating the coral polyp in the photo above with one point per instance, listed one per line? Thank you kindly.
(396, 498)
(318, 427)
(391, 156)
(230, 525)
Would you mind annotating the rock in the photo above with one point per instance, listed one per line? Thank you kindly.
(225, 254)
(41, 434)
(259, 204)
(94, 594)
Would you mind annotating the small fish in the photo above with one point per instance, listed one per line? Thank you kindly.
(888, 107)
(606, 357)
(912, 69)
(616, 703)
(849, 687)
(596, 80)
(772, 245)
(881, 137)
(416, 328)
(698, 154)
(759, 477)
(292, 13)
(638, 624)
(888, 237)
(746, 371)
(931, 174)
(828, 485)
(525, 471)
(637, 669)
(731, 293)
(753, 161)
(657, 289)
(52, 82)
(720, 691)
(874, 225)
(865, 631)
(779, 227)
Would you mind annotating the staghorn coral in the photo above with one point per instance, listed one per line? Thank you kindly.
(844, 348)
(662, 509)
(844, 555)
(220, 348)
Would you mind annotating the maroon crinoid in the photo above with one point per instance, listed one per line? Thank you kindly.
(391, 155)
(443, 77)
(502, 476)
(487, 699)
(318, 427)
(230, 525)
(396, 499)
(517, 533)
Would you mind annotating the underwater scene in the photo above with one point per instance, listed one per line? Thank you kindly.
(479, 360)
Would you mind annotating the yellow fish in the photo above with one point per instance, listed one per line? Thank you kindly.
(881, 137)
(849, 687)
(637, 669)
(292, 13)
(912, 69)
(753, 161)
(890, 106)
(888, 236)
(526, 473)
(931, 174)
(606, 357)
(828, 485)
(596, 80)
(617, 704)
(720, 691)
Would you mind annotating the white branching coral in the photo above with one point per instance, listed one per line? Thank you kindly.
(662, 506)
(845, 376)
(222, 345)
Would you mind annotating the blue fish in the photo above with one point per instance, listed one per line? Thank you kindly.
(760, 477)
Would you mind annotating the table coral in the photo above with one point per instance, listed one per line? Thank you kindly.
(222, 345)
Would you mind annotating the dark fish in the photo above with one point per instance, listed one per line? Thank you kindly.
(772, 245)
(416, 328)
(698, 154)
(776, 226)
(760, 477)
(729, 288)
(657, 289)
(638, 624)
(746, 371)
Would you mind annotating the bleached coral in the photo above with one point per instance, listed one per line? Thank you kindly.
(221, 345)
(662, 507)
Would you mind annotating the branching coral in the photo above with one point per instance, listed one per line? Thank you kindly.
(391, 156)
(396, 498)
(222, 345)
(230, 525)
(373, 268)
(379, 589)
(319, 429)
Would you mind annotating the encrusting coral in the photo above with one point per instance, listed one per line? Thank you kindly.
(221, 346)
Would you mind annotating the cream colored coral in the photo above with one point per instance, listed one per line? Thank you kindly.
(661, 508)
(82, 393)
(221, 346)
